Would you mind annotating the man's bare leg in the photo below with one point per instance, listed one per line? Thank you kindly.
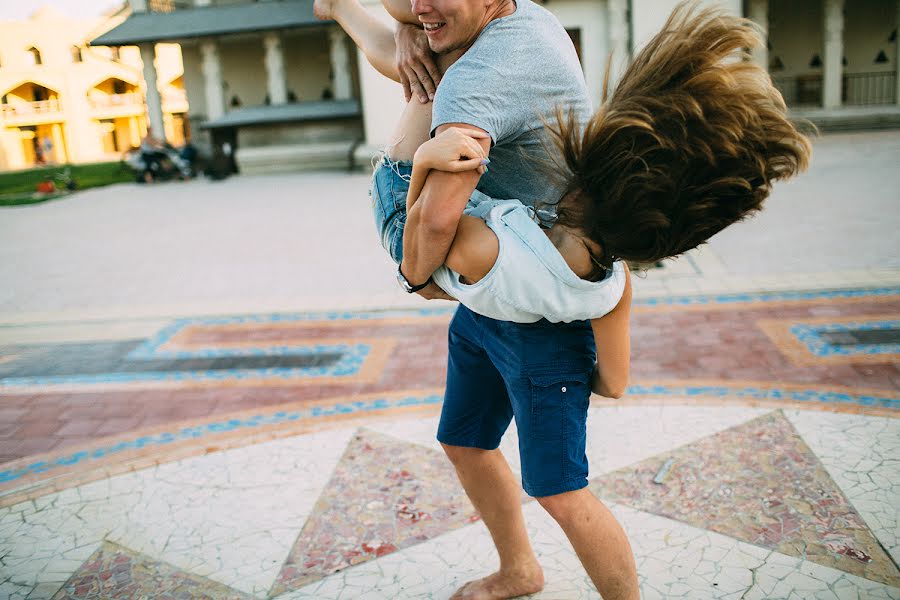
(599, 542)
(497, 496)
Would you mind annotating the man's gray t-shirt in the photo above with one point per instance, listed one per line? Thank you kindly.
(509, 83)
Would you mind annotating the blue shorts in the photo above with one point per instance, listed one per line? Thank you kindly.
(390, 184)
(538, 373)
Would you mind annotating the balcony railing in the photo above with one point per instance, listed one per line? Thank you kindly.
(801, 90)
(866, 89)
(858, 89)
(29, 109)
(115, 100)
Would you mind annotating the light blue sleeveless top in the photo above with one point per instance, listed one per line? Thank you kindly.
(530, 279)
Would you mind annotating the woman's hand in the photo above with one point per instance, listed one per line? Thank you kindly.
(453, 150)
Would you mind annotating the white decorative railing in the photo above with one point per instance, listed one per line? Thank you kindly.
(113, 100)
(28, 109)
(174, 97)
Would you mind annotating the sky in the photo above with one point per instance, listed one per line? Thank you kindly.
(21, 9)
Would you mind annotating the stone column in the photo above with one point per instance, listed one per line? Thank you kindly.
(275, 76)
(897, 54)
(154, 102)
(618, 39)
(59, 147)
(134, 132)
(758, 12)
(340, 64)
(834, 52)
(212, 78)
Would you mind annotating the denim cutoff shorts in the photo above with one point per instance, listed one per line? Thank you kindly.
(390, 185)
(538, 373)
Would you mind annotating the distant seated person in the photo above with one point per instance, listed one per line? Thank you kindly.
(151, 154)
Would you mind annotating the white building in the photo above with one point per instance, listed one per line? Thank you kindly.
(288, 93)
(62, 101)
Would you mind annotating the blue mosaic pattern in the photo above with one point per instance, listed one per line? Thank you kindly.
(361, 407)
(150, 348)
(718, 299)
(759, 393)
(349, 364)
(810, 336)
(208, 429)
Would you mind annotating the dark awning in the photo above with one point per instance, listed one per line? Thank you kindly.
(283, 113)
(208, 21)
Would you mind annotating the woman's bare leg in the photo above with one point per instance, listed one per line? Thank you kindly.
(374, 37)
(414, 127)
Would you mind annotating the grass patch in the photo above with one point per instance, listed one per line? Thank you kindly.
(32, 198)
(22, 184)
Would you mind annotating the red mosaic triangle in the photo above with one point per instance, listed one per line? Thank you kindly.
(385, 495)
(760, 483)
(114, 571)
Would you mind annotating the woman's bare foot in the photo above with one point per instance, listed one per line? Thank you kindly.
(324, 9)
(500, 586)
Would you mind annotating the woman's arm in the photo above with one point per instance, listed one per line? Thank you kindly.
(613, 338)
(453, 150)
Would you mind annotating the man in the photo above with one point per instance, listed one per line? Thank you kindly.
(518, 66)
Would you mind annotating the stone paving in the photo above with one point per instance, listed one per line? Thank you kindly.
(281, 443)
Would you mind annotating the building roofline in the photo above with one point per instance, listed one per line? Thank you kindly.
(207, 21)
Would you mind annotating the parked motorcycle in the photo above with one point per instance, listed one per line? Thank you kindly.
(162, 164)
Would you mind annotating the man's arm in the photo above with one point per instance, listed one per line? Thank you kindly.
(432, 221)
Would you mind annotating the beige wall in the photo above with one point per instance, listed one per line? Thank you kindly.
(795, 35)
(307, 63)
(243, 70)
(648, 16)
(590, 18)
(80, 132)
(867, 26)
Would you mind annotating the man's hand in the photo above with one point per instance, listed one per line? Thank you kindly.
(433, 292)
(415, 61)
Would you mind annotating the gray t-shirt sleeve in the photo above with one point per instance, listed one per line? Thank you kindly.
(476, 93)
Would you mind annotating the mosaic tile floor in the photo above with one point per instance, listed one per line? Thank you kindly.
(293, 456)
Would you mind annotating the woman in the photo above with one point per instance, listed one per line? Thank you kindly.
(687, 144)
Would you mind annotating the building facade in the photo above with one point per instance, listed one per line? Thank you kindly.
(287, 92)
(62, 100)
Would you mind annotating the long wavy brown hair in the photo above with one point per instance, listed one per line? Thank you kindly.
(689, 142)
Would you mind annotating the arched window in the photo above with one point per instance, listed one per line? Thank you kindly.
(33, 55)
(77, 57)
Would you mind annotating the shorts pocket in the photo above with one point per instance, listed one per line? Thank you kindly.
(559, 404)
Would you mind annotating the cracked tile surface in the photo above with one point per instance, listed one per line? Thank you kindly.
(385, 494)
(862, 455)
(229, 516)
(114, 572)
(760, 483)
(232, 518)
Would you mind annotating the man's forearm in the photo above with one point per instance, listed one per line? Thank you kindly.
(425, 246)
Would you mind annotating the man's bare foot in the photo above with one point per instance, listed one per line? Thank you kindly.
(324, 9)
(502, 585)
